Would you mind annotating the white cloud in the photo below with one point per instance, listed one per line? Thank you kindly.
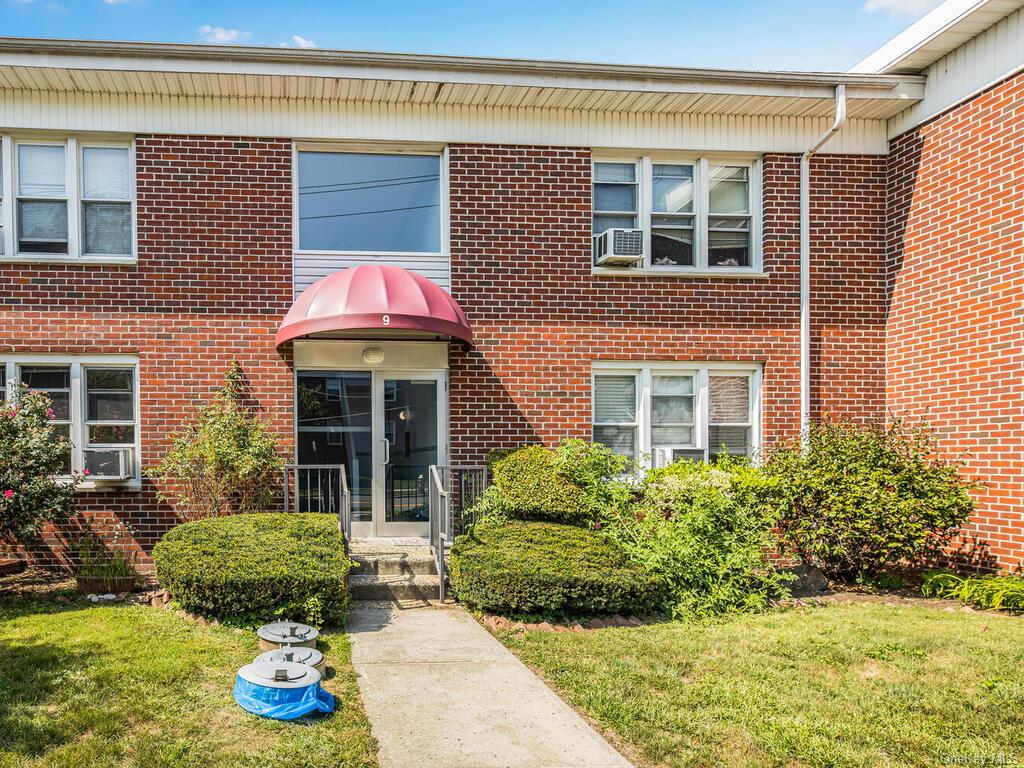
(299, 41)
(222, 35)
(901, 7)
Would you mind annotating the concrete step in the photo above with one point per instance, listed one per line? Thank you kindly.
(395, 587)
(395, 564)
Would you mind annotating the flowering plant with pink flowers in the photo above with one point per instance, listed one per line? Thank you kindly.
(36, 484)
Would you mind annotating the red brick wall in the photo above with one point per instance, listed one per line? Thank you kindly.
(955, 349)
(520, 239)
(212, 281)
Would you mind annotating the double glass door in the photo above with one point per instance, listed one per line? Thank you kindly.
(386, 428)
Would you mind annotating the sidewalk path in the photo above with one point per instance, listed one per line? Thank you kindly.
(441, 692)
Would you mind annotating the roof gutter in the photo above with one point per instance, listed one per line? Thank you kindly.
(805, 264)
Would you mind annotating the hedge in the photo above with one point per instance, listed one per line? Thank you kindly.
(548, 569)
(252, 568)
(530, 486)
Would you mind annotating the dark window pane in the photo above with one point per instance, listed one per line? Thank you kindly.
(622, 440)
(601, 223)
(111, 435)
(369, 202)
(614, 197)
(110, 406)
(45, 377)
(42, 226)
(108, 228)
(109, 378)
(728, 249)
(732, 440)
(334, 399)
(672, 247)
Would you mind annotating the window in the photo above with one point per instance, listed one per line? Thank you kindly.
(94, 407)
(369, 203)
(663, 412)
(696, 215)
(67, 199)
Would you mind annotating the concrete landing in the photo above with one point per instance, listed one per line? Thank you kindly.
(442, 693)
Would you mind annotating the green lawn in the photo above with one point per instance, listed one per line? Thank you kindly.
(88, 687)
(836, 685)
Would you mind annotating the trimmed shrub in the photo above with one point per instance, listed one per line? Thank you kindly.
(569, 484)
(989, 592)
(32, 455)
(704, 530)
(865, 496)
(257, 567)
(548, 569)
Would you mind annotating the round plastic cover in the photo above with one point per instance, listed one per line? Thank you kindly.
(285, 632)
(309, 656)
(281, 701)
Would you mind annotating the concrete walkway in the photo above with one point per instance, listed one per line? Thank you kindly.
(441, 692)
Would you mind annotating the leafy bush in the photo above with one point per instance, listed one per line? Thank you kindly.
(986, 592)
(257, 567)
(536, 568)
(32, 455)
(225, 459)
(864, 496)
(704, 530)
(570, 484)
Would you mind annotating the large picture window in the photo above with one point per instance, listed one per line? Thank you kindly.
(94, 402)
(663, 412)
(369, 202)
(66, 199)
(695, 215)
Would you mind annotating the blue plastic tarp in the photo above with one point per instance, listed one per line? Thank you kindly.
(282, 703)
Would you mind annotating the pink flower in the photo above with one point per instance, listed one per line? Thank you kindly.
(8, 494)
(50, 413)
(85, 471)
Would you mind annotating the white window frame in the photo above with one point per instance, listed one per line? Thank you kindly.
(73, 147)
(374, 149)
(79, 435)
(645, 190)
(701, 371)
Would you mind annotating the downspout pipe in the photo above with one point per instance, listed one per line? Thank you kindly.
(805, 263)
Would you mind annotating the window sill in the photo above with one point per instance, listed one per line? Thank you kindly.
(22, 258)
(729, 272)
(91, 486)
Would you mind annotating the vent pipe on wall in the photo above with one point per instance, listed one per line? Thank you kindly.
(805, 262)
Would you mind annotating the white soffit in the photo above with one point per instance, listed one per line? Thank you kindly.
(936, 34)
(174, 70)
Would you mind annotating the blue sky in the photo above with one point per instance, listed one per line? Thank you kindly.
(744, 34)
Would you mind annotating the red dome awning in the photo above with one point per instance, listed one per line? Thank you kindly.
(374, 298)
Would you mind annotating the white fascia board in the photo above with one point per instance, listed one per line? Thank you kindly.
(239, 60)
(928, 32)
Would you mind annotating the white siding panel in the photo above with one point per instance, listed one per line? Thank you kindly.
(365, 121)
(982, 61)
(309, 267)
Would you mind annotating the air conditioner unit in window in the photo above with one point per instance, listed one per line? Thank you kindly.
(619, 247)
(109, 465)
(670, 455)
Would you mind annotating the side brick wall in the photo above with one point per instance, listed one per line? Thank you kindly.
(955, 336)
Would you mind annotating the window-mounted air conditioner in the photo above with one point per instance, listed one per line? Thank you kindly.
(670, 455)
(619, 247)
(109, 464)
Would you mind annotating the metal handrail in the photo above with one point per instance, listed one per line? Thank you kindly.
(343, 502)
(442, 518)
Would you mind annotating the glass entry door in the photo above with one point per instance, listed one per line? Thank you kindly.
(411, 438)
(386, 428)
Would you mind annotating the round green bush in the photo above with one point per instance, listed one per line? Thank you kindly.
(536, 568)
(530, 485)
(252, 568)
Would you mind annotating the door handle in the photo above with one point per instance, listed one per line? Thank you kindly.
(387, 451)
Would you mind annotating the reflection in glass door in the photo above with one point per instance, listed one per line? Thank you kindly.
(411, 431)
(335, 427)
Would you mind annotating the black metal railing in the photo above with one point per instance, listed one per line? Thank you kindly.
(319, 488)
(453, 494)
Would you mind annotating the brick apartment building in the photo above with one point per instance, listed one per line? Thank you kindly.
(417, 259)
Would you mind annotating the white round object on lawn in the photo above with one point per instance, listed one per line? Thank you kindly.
(281, 690)
(282, 634)
(311, 657)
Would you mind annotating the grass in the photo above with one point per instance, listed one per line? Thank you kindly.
(115, 685)
(857, 684)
